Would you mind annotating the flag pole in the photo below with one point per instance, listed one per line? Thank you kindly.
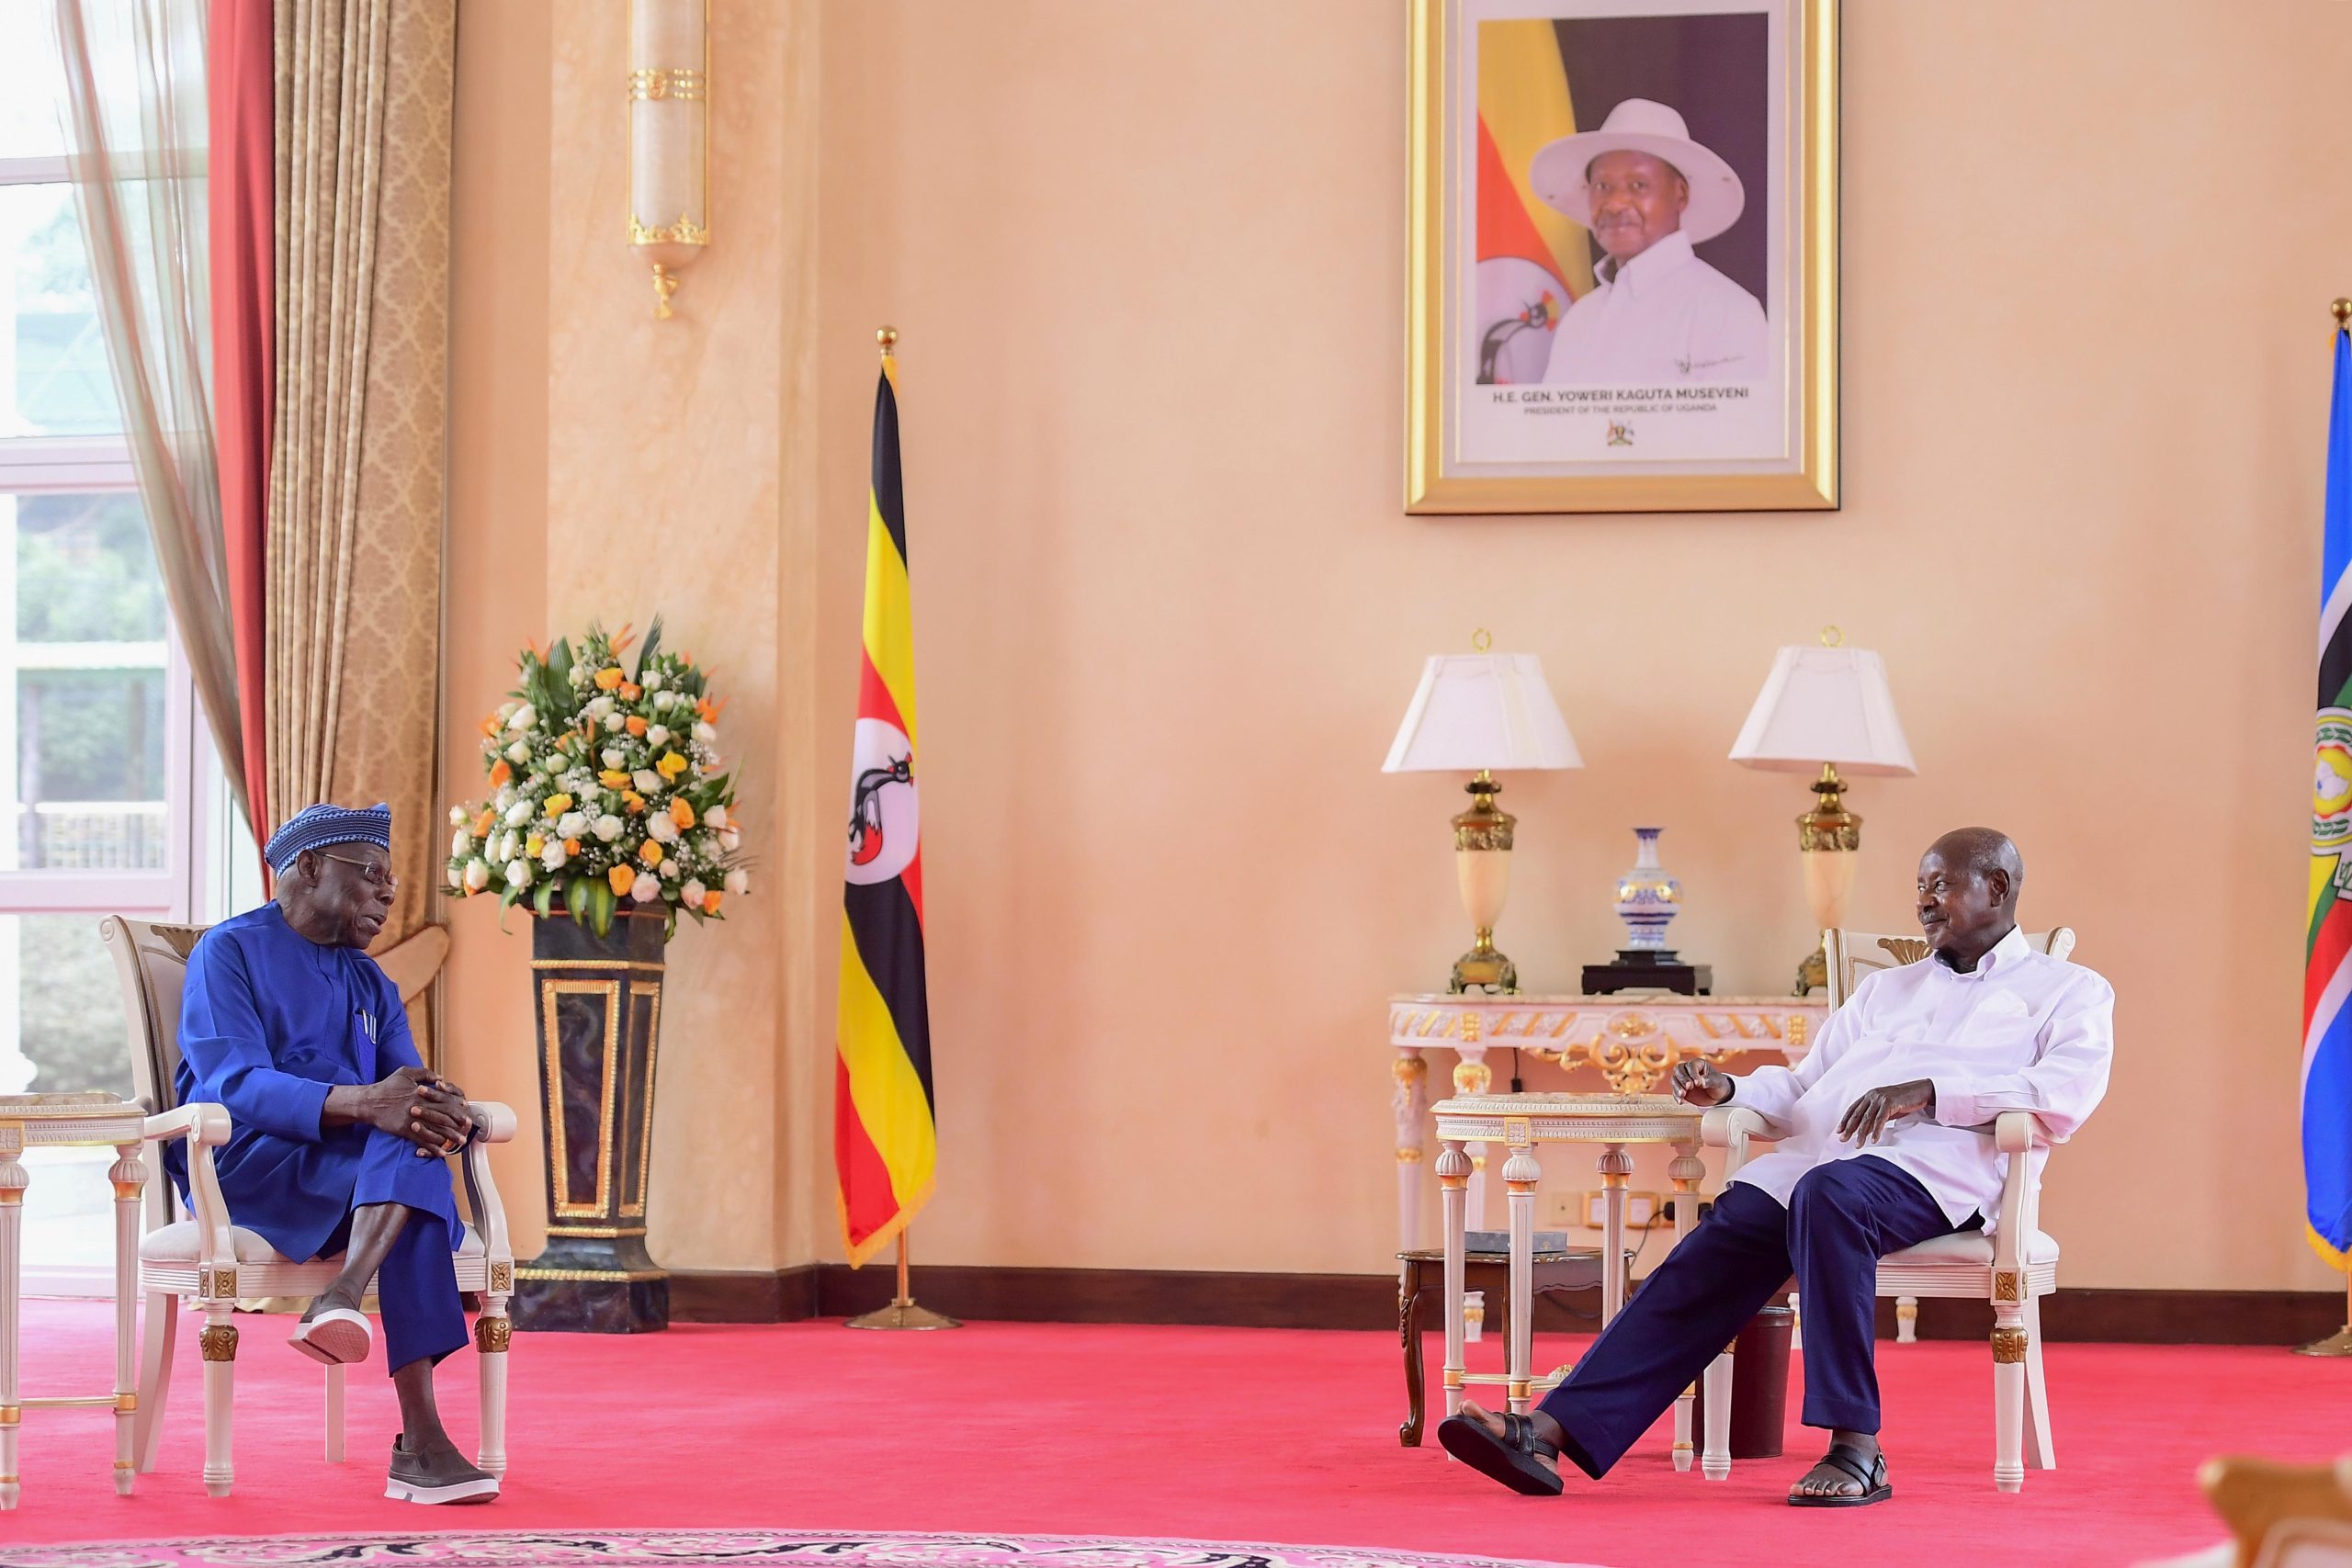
(903, 1312)
(2340, 1342)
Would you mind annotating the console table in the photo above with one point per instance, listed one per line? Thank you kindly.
(1635, 1040)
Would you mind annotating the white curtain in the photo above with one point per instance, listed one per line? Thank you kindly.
(136, 129)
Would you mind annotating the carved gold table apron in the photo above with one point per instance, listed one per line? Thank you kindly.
(68, 1120)
(1634, 1041)
(1521, 1123)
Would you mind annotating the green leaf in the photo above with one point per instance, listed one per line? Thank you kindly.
(543, 897)
(601, 913)
(645, 653)
(575, 898)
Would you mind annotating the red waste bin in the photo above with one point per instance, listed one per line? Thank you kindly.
(1759, 1387)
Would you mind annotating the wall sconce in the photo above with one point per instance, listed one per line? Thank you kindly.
(669, 137)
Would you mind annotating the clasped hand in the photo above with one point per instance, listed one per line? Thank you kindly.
(421, 1105)
(1867, 1119)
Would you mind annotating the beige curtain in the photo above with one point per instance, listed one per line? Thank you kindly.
(135, 121)
(364, 99)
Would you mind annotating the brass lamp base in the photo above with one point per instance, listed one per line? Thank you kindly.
(903, 1314)
(1826, 835)
(2336, 1344)
(1484, 969)
(1813, 975)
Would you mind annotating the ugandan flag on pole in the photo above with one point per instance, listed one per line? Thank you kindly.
(1534, 261)
(885, 1141)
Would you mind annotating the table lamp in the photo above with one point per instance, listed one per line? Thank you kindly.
(1480, 712)
(1826, 707)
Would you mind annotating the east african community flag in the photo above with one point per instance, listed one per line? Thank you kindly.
(2328, 954)
(885, 1143)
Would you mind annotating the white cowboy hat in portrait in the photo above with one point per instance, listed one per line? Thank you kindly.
(1638, 125)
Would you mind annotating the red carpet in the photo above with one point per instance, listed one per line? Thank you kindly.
(1227, 1435)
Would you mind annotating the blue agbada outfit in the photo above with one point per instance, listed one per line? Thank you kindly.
(269, 1022)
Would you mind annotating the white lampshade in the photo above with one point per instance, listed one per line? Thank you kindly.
(1482, 710)
(1825, 704)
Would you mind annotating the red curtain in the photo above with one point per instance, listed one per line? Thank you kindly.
(240, 82)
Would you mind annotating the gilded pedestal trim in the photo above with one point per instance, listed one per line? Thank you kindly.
(2009, 1346)
(218, 1342)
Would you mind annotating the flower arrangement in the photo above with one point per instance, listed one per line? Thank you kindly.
(604, 789)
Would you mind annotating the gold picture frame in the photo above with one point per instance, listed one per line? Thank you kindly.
(1466, 452)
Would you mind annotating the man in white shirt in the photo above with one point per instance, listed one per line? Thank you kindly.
(1649, 193)
(1884, 1141)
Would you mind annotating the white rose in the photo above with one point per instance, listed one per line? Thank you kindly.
(666, 701)
(657, 735)
(739, 882)
(730, 839)
(476, 876)
(522, 718)
(716, 816)
(459, 843)
(572, 824)
(506, 710)
(608, 828)
(456, 816)
(646, 781)
(553, 856)
(668, 871)
(662, 829)
(652, 682)
(599, 707)
(644, 890)
(613, 724)
(505, 798)
(456, 879)
(614, 756)
(705, 733)
(522, 811)
(519, 753)
(518, 873)
(693, 892)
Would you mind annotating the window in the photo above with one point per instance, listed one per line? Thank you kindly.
(110, 794)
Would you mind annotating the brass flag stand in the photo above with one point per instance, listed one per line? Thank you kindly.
(902, 1312)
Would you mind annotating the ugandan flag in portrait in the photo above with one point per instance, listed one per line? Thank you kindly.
(2327, 939)
(1534, 261)
(885, 1141)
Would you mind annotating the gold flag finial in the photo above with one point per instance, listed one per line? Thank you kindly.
(887, 337)
(2342, 310)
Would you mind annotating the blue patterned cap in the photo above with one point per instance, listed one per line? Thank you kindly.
(316, 826)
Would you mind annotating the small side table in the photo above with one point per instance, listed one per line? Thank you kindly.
(68, 1120)
(1575, 1268)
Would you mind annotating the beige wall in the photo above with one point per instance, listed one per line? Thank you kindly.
(1147, 262)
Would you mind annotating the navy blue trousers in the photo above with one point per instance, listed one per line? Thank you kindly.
(1842, 1218)
(416, 1285)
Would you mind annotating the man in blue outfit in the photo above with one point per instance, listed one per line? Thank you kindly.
(340, 1133)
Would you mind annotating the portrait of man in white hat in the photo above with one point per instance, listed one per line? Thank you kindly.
(1657, 314)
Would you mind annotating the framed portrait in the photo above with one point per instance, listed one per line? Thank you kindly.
(1623, 256)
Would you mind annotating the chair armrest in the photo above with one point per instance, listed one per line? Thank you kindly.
(493, 1123)
(2016, 1132)
(206, 1127)
(1729, 1127)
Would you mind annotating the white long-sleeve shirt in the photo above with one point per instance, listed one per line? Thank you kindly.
(1662, 318)
(2021, 1031)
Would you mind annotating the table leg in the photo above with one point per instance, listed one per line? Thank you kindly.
(1472, 1075)
(1616, 1169)
(1520, 1173)
(130, 1178)
(1409, 1315)
(1410, 1103)
(1685, 1172)
(12, 1221)
(1453, 1180)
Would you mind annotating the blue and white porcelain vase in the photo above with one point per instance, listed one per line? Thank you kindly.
(1647, 897)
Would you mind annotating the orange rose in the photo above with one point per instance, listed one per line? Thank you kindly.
(670, 765)
(630, 691)
(623, 879)
(490, 725)
(633, 800)
(650, 852)
(571, 847)
(710, 903)
(636, 724)
(482, 822)
(681, 813)
(499, 773)
(613, 778)
(609, 677)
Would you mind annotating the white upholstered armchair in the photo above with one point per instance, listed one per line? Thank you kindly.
(2011, 1267)
(210, 1261)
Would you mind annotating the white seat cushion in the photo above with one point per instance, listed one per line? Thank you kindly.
(1972, 1247)
(179, 1243)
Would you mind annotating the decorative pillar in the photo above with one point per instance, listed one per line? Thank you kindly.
(599, 1008)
